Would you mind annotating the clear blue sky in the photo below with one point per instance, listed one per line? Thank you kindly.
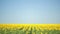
(30, 11)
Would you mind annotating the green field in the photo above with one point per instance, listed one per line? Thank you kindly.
(29, 29)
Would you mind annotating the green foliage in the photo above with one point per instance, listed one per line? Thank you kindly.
(21, 31)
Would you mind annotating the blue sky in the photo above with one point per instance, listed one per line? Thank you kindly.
(30, 11)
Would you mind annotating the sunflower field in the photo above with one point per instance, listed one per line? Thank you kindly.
(29, 28)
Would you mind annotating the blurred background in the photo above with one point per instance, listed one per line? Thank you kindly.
(29, 11)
